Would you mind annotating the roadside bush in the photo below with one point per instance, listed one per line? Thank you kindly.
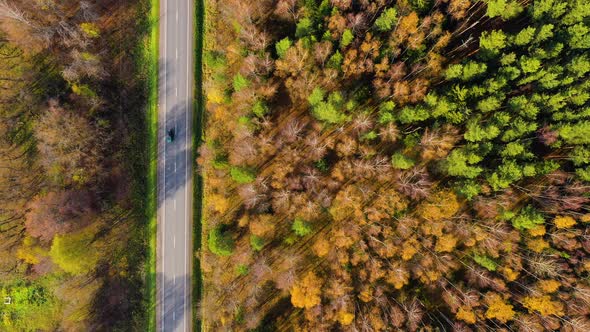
(220, 243)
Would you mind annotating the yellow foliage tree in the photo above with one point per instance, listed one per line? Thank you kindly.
(409, 249)
(214, 95)
(498, 308)
(398, 277)
(262, 225)
(446, 243)
(306, 292)
(30, 252)
(389, 201)
(509, 273)
(441, 205)
(537, 244)
(321, 247)
(76, 253)
(537, 231)
(549, 286)
(564, 221)
(466, 314)
(366, 295)
(345, 318)
(433, 228)
(348, 203)
(543, 305)
(218, 203)
(430, 276)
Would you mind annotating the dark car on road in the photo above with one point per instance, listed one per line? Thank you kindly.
(171, 135)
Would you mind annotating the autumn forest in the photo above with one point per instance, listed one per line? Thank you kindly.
(409, 165)
(365, 165)
(72, 234)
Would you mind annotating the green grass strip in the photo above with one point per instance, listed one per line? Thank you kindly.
(197, 137)
(151, 56)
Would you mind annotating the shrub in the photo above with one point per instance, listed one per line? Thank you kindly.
(219, 243)
(386, 20)
(240, 83)
(33, 307)
(242, 175)
(215, 60)
(84, 90)
(328, 113)
(507, 9)
(347, 38)
(256, 242)
(282, 46)
(492, 42)
(74, 252)
(525, 36)
(259, 108)
(301, 227)
(335, 60)
(469, 189)
(576, 133)
(529, 65)
(400, 161)
(316, 96)
(421, 6)
(304, 27)
(486, 262)
(527, 218)
(458, 164)
(242, 270)
(90, 29)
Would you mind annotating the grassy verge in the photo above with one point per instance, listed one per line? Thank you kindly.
(197, 137)
(141, 156)
(151, 58)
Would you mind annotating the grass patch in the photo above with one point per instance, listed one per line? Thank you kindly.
(150, 63)
(197, 139)
(141, 160)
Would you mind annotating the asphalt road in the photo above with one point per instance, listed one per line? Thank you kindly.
(175, 166)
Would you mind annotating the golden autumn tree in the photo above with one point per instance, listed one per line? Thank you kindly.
(306, 292)
(564, 221)
(440, 205)
(549, 286)
(498, 308)
(543, 305)
(446, 243)
(466, 314)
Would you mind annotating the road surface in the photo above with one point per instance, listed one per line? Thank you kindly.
(175, 166)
